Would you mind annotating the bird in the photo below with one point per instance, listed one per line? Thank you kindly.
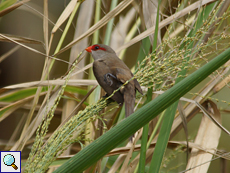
(111, 73)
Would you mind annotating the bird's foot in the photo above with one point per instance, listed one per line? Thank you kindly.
(105, 96)
(108, 78)
(108, 100)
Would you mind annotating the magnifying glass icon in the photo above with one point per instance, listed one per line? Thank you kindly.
(9, 160)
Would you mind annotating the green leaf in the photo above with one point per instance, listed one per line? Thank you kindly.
(17, 95)
(6, 4)
(74, 89)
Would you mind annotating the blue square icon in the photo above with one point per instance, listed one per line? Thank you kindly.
(10, 161)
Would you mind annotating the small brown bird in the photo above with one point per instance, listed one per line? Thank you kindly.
(111, 73)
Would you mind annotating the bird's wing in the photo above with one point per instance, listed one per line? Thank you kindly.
(122, 74)
(137, 86)
(119, 73)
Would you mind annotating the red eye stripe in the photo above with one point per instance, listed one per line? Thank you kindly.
(97, 47)
(94, 48)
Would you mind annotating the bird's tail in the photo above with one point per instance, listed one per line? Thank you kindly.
(129, 99)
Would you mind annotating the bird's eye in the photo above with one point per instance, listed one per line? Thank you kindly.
(96, 47)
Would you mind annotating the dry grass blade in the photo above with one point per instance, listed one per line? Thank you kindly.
(150, 13)
(121, 29)
(210, 116)
(171, 145)
(7, 54)
(87, 9)
(35, 123)
(126, 155)
(29, 48)
(117, 163)
(164, 23)
(19, 39)
(208, 137)
(124, 167)
(205, 112)
(75, 109)
(82, 69)
(182, 27)
(177, 124)
(65, 14)
(16, 132)
(123, 156)
(99, 24)
(10, 110)
(45, 26)
(184, 122)
(12, 7)
(27, 107)
(222, 84)
(14, 106)
(72, 82)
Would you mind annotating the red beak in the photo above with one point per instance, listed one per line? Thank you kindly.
(89, 49)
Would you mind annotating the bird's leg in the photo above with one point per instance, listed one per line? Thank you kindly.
(105, 96)
(108, 78)
(108, 100)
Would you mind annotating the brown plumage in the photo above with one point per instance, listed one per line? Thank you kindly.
(111, 72)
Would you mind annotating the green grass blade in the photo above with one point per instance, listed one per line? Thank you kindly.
(110, 24)
(149, 98)
(163, 138)
(144, 50)
(144, 141)
(6, 4)
(156, 26)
